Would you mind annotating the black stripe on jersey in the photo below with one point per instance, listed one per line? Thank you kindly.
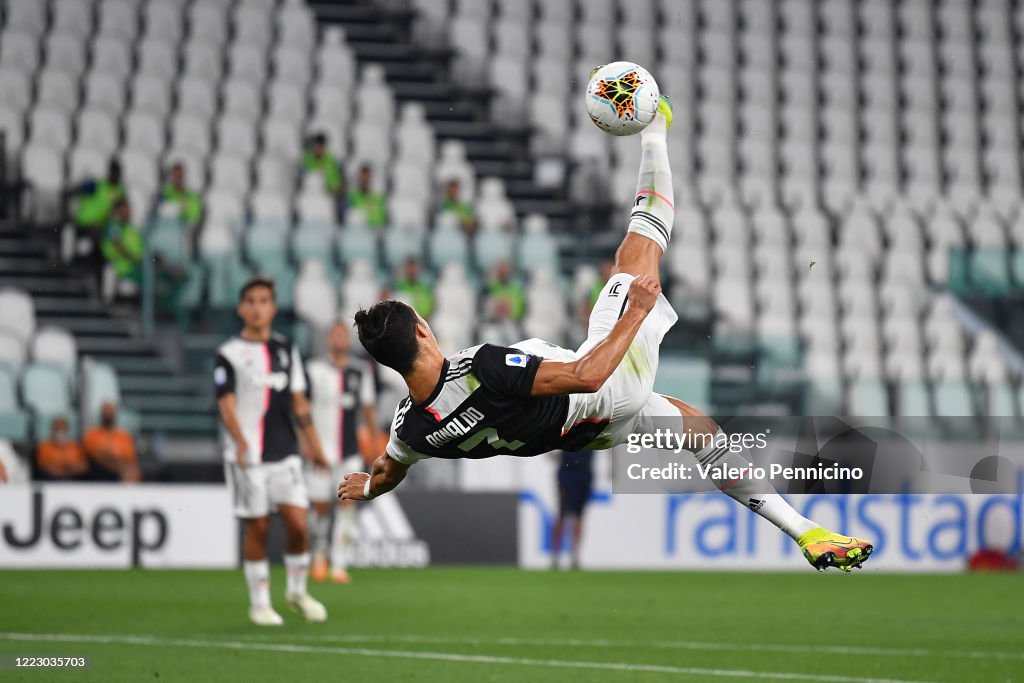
(625, 300)
(459, 370)
(653, 221)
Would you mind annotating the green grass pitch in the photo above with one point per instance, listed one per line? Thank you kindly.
(505, 625)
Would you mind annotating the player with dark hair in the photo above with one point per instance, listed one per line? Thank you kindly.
(535, 397)
(261, 394)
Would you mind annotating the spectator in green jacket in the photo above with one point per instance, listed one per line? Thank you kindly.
(123, 249)
(94, 205)
(317, 159)
(414, 289)
(505, 295)
(453, 204)
(363, 198)
(177, 194)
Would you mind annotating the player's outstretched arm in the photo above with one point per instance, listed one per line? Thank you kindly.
(386, 474)
(589, 373)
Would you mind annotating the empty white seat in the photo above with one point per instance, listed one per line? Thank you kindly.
(296, 25)
(251, 26)
(158, 59)
(56, 346)
(196, 96)
(72, 17)
(50, 127)
(236, 136)
(65, 52)
(281, 138)
(223, 207)
(316, 299)
(270, 207)
(87, 163)
(241, 99)
(316, 208)
(57, 90)
(118, 19)
(98, 129)
(229, 173)
(190, 133)
(111, 56)
(292, 65)
(163, 21)
(16, 89)
(140, 169)
(207, 23)
(19, 314)
(247, 62)
(19, 50)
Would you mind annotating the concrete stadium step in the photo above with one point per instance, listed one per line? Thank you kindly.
(176, 384)
(195, 424)
(82, 326)
(68, 306)
(172, 404)
(36, 282)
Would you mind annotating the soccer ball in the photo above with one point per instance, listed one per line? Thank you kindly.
(622, 98)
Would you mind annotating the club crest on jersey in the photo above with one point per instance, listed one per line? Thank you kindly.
(516, 360)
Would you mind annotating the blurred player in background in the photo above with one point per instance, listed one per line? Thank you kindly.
(343, 395)
(261, 389)
(575, 479)
(535, 397)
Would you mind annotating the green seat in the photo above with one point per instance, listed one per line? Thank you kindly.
(1017, 268)
(276, 267)
(869, 398)
(13, 420)
(448, 245)
(823, 397)
(169, 238)
(45, 391)
(990, 271)
(101, 385)
(913, 406)
(491, 247)
(402, 244)
(959, 281)
(953, 399)
(357, 243)
(313, 241)
(538, 250)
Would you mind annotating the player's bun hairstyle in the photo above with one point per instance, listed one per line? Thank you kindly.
(388, 333)
(253, 283)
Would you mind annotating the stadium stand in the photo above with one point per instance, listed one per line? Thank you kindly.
(849, 229)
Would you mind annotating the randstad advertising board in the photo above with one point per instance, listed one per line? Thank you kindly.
(710, 531)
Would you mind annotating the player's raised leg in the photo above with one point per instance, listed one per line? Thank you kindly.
(822, 548)
(650, 223)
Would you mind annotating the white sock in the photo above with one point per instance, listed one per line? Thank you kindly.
(654, 204)
(257, 576)
(346, 530)
(759, 496)
(297, 567)
(319, 530)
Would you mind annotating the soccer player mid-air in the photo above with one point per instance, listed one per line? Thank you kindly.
(261, 394)
(535, 397)
(343, 394)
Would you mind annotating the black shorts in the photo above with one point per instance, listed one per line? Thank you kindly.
(574, 490)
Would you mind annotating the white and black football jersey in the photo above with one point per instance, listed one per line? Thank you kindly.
(262, 376)
(338, 395)
(481, 407)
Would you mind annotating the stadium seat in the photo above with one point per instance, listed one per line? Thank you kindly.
(19, 49)
(70, 17)
(65, 52)
(356, 244)
(315, 298)
(311, 240)
(46, 393)
(14, 422)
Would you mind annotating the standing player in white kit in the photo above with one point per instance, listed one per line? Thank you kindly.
(343, 395)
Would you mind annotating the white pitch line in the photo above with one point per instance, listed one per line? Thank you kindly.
(665, 645)
(438, 656)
